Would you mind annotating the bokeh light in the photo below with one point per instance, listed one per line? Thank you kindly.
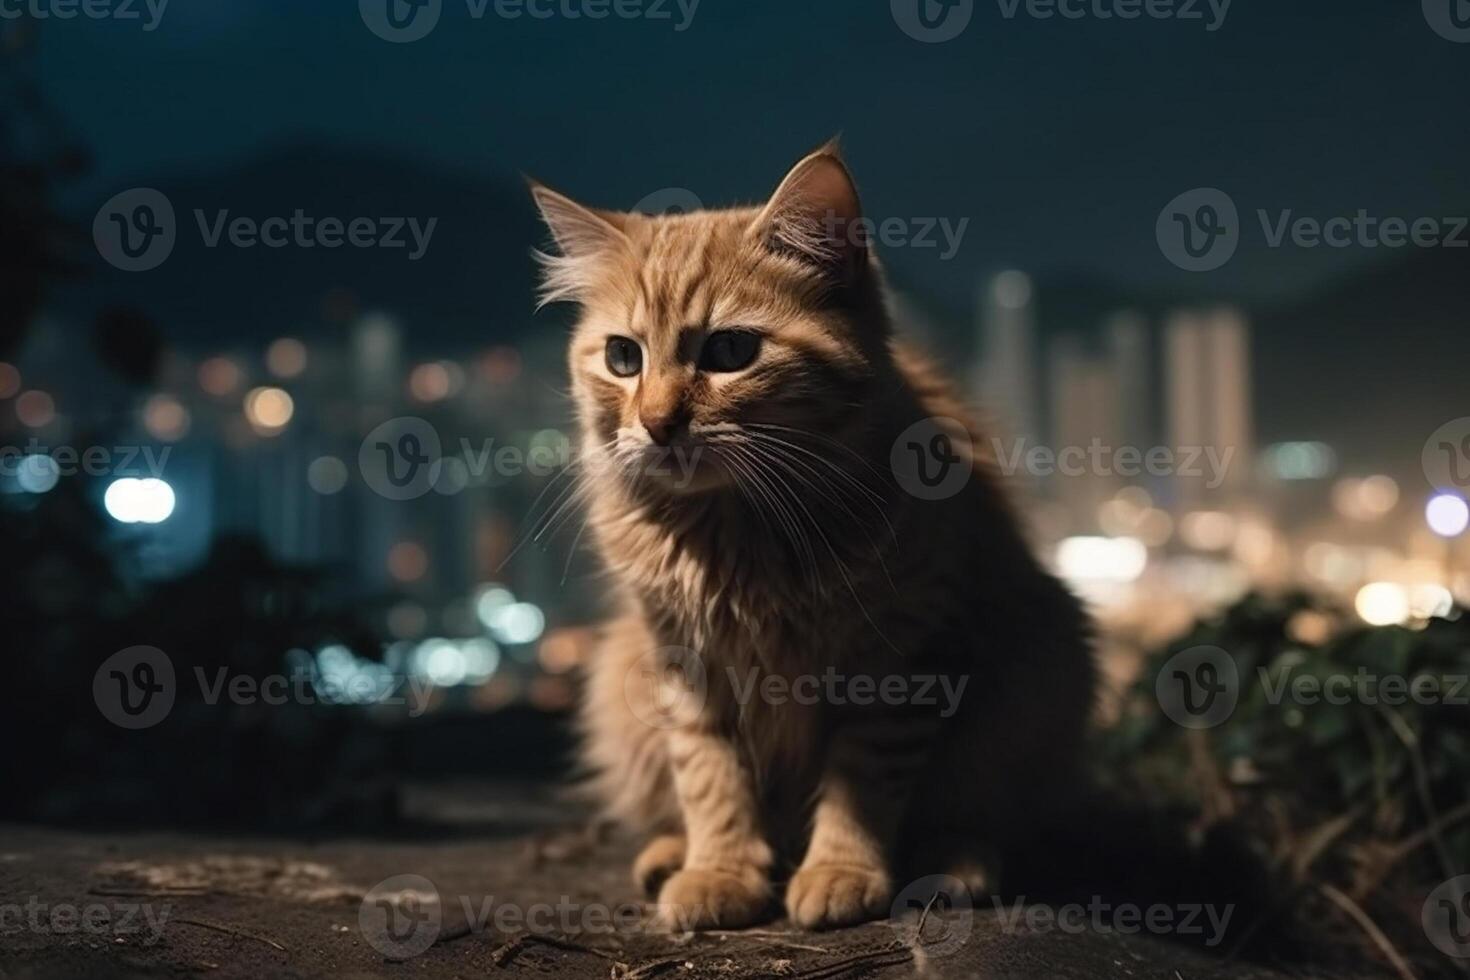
(408, 561)
(165, 418)
(1367, 499)
(1095, 559)
(269, 410)
(327, 475)
(1208, 530)
(286, 358)
(1383, 604)
(220, 376)
(407, 620)
(1012, 289)
(35, 409)
(501, 365)
(430, 382)
(37, 473)
(1448, 515)
(9, 380)
(134, 501)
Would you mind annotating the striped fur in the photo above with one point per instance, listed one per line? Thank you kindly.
(790, 552)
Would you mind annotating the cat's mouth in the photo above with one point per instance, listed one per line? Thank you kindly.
(693, 461)
(683, 466)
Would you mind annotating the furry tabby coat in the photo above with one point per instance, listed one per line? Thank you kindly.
(815, 678)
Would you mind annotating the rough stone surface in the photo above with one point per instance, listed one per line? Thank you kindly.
(250, 907)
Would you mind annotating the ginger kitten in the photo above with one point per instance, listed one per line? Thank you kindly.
(766, 705)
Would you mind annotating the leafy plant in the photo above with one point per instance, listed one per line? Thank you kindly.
(1345, 763)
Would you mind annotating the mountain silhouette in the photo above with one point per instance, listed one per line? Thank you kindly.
(474, 283)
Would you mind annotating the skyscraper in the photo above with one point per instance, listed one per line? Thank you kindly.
(1207, 378)
(1008, 371)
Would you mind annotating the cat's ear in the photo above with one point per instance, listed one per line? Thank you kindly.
(578, 230)
(816, 216)
(582, 235)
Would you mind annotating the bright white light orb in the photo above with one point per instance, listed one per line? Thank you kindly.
(1096, 559)
(519, 622)
(1448, 515)
(133, 501)
(1383, 604)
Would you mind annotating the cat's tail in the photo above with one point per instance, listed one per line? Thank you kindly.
(1104, 853)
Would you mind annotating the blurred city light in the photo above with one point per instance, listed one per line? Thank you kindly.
(481, 659)
(441, 661)
(268, 410)
(220, 376)
(407, 620)
(501, 365)
(134, 501)
(408, 561)
(9, 380)
(519, 622)
(1012, 289)
(35, 409)
(1383, 604)
(492, 599)
(431, 382)
(1367, 499)
(165, 418)
(450, 663)
(1448, 515)
(37, 473)
(1429, 601)
(1300, 460)
(1097, 559)
(341, 677)
(286, 358)
(1208, 530)
(327, 475)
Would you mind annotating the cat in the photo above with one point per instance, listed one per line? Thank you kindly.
(754, 706)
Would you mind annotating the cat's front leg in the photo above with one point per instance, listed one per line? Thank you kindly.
(725, 880)
(866, 785)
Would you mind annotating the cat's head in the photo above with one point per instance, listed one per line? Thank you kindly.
(702, 333)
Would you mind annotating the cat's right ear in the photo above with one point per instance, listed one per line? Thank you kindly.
(815, 216)
(582, 236)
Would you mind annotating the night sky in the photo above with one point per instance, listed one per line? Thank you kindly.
(1060, 140)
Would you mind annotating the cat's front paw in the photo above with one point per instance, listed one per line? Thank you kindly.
(825, 896)
(662, 857)
(698, 899)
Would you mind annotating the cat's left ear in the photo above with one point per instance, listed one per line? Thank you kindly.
(816, 216)
(583, 236)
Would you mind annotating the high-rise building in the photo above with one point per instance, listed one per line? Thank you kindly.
(1128, 353)
(1085, 415)
(1008, 373)
(1207, 378)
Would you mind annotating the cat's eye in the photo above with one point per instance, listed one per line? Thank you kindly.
(729, 350)
(624, 357)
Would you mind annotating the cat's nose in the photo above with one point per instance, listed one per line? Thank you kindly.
(663, 426)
